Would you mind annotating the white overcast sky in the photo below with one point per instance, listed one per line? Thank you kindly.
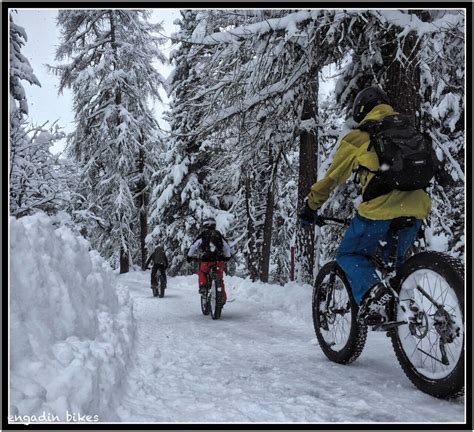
(43, 37)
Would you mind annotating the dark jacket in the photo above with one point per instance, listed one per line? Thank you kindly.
(158, 257)
(210, 245)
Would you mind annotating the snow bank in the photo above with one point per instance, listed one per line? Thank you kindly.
(291, 301)
(71, 328)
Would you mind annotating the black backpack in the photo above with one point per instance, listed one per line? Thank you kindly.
(212, 246)
(407, 160)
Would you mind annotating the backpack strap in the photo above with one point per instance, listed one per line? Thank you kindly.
(372, 127)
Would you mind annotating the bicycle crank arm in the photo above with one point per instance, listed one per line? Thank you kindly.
(390, 325)
(342, 311)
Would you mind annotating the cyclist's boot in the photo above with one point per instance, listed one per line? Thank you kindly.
(374, 305)
(202, 289)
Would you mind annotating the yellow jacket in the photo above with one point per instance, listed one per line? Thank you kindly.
(352, 152)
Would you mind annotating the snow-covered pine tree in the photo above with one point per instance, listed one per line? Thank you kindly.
(20, 70)
(112, 77)
(36, 178)
(177, 205)
(33, 171)
(250, 104)
(442, 116)
(244, 78)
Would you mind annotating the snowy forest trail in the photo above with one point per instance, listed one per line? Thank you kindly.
(258, 363)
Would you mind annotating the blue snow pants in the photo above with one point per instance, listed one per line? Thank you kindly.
(359, 245)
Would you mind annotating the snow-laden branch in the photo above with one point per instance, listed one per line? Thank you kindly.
(411, 23)
(278, 88)
(273, 24)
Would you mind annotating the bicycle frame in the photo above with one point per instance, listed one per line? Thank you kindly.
(386, 268)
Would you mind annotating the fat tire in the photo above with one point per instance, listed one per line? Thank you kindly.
(216, 313)
(358, 332)
(155, 292)
(205, 306)
(161, 289)
(452, 270)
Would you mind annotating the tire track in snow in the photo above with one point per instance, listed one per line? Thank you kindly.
(254, 365)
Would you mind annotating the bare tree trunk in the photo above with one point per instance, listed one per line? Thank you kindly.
(143, 230)
(308, 163)
(251, 256)
(267, 230)
(402, 83)
(142, 206)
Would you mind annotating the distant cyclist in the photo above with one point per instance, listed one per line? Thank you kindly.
(210, 248)
(160, 262)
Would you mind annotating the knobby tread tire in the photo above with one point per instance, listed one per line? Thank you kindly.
(216, 314)
(358, 332)
(452, 270)
(205, 306)
(162, 287)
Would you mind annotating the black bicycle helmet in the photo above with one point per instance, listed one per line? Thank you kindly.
(209, 223)
(366, 100)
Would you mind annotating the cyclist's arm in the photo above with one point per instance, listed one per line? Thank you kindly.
(148, 260)
(226, 248)
(341, 168)
(193, 248)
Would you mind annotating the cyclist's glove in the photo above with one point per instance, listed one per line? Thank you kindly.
(308, 216)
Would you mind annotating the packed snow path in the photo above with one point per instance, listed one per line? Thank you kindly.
(258, 363)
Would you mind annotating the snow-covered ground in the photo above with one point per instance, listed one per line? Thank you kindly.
(71, 325)
(76, 346)
(259, 363)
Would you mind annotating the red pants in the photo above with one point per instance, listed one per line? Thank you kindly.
(205, 266)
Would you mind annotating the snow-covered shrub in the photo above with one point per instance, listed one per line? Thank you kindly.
(71, 327)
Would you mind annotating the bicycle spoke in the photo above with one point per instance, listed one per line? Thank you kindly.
(448, 348)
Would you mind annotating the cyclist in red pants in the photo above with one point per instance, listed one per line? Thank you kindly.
(210, 248)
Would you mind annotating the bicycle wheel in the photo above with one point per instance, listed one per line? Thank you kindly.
(155, 291)
(162, 287)
(215, 298)
(205, 306)
(430, 349)
(340, 335)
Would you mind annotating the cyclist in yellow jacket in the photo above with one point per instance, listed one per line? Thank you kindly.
(372, 222)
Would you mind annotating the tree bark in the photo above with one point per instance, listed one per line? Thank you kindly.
(308, 164)
(402, 83)
(142, 206)
(268, 223)
(251, 256)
